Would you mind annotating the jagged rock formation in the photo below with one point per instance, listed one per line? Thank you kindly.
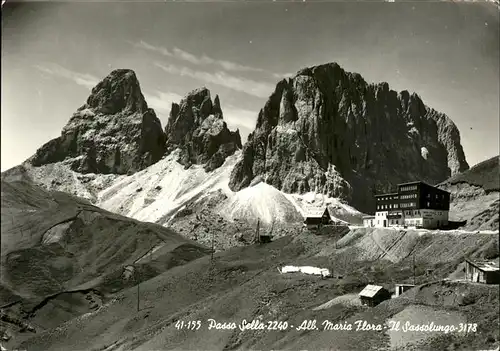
(114, 132)
(196, 126)
(329, 131)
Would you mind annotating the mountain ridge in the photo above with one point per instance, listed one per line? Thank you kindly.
(327, 130)
(324, 131)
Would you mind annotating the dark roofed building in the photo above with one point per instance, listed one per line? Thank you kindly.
(372, 295)
(318, 219)
(415, 204)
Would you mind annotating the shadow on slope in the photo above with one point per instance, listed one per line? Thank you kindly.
(56, 249)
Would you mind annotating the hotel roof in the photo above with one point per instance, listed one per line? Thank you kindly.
(421, 182)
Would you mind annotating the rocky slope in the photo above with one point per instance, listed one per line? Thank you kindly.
(328, 131)
(62, 257)
(244, 284)
(113, 132)
(196, 126)
(475, 195)
(195, 203)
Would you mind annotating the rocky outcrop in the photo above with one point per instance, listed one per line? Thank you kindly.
(114, 132)
(196, 126)
(329, 131)
(475, 195)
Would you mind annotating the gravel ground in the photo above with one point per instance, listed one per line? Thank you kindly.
(421, 315)
(346, 300)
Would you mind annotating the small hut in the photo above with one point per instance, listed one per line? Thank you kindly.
(368, 221)
(402, 288)
(486, 272)
(372, 295)
(318, 219)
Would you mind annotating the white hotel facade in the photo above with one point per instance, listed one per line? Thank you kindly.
(416, 204)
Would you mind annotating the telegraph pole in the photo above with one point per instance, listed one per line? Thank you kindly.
(212, 257)
(257, 234)
(413, 268)
(138, 296)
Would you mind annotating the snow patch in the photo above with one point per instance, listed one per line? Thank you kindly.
(285, 130)
(158, 192)
(163, 188)
(306, 270)
(424, 152)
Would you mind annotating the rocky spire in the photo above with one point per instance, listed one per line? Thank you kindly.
(196, 126)
(114, 132)
(216, 109)
(118, 92)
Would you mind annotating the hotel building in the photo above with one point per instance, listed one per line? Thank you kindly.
(415, 204)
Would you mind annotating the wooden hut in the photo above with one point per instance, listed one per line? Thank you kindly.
(486, 272)
(372, 295)
(316, 220)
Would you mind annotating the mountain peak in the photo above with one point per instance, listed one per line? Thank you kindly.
(118, 92)
(196, 126)
(114, 132)
(326, 67)
(325, 117)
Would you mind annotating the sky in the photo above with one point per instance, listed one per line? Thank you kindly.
(54, 53)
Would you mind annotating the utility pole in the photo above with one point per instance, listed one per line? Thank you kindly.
(212, 257)
(413, 268)
(138, 296)
(257, 237)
